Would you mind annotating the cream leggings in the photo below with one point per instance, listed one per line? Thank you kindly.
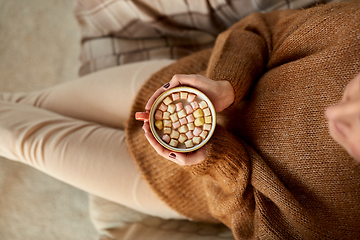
(75, 133)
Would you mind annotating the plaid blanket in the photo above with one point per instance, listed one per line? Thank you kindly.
(116, 32)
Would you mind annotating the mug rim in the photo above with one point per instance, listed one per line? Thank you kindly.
(160, 99)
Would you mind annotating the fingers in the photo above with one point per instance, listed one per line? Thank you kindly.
(343, 110)
(146, 127)
(156, 95)
(193, 157)
(221, 93)
(197, 81)
(344, 126)
(179, 158)
(344, 119)
(352, 90)
(208, 87)
(173, 83)
(158, 148)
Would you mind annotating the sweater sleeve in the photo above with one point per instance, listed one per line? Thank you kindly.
(241, 53)
(242, 190)
(241, 56)
(226, 176)
(226, 155)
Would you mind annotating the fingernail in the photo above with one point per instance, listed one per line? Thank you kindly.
(172, 155)
(166, 85)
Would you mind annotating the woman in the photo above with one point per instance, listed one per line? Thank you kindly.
(271, 169)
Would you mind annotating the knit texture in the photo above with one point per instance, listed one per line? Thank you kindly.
(272, 170)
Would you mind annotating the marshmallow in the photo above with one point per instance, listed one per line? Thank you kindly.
(194, 105)
(191, 126)
(183, 121)
(182, 138)
(176, 125)
(182, 114)
(190, 118)
(167, 101)
(208, 119)
(204, 134)
(183, 95)
(174, 117)
(159, 124)
(163, 107)
(207, 112)
(188, 109)
(175, 96)
(191, 97)
(173, 142)
(166, 138)
(179, 106)
(175, 134)
(166, 115)
(196, 140)
(198, 113)
(158, 115)
(189, 135)
(171, 108)
(167, 123)
(207, 127)
(167, 130)
(189, 144)
(199, 122)
(197, 131)
(203, 104)
(183, 129)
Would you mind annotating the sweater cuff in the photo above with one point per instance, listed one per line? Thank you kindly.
(226, 155)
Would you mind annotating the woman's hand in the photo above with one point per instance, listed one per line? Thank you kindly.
(180, 158)
(344, 119)
(220, 93)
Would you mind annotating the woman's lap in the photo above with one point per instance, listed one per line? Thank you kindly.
(104, 97)
(82, 145)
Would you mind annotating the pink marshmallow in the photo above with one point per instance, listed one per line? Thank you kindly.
(190, 118)
(179, 106)
(194, 105)
(183, 121)
(166, 138)
(197, 131)
(176, 124)
(158, 115)
(191, 97)
(189, 135)
(175, 96)
(188, 109)
(163, 107)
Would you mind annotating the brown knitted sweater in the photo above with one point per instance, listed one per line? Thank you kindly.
(272, 170)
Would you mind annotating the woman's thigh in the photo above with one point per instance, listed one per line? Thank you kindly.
(104, 97)
(86, 155)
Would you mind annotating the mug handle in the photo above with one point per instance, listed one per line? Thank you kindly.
(142, 116)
